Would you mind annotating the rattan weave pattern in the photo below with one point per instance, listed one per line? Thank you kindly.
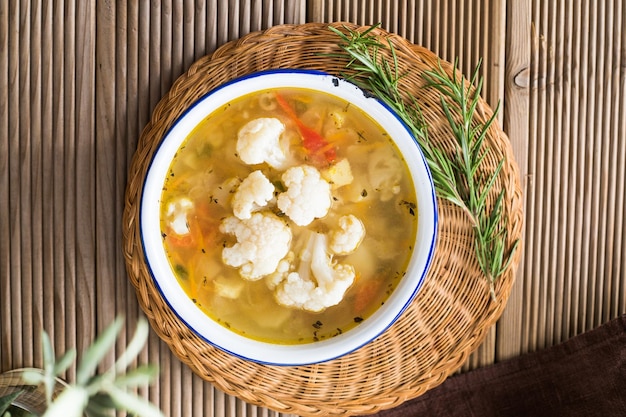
(432, 339)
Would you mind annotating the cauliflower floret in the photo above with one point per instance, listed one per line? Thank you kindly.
(385, 173)
(318, 283)
(258, 141)
(282, 271)
(262, 241)
(307, 197)
(338, 174)
(176, 215)
(253, 193)
(348, 237)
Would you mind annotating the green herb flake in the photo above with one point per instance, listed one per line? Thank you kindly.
(410, 206)
(181, 271)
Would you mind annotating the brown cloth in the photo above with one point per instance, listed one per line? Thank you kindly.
(584, 376)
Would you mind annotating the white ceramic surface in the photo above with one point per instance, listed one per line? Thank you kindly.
(254, 350)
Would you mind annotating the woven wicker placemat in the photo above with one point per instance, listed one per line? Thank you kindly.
(432, 339)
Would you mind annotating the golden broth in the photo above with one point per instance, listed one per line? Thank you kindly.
(206, 172)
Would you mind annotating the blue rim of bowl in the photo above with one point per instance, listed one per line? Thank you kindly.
(424, 270)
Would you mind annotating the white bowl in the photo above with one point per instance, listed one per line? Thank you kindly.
(268, 353)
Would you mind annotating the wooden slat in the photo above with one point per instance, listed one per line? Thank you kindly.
(614, 164)
(58, 134)
(615, 290)
(47, 165)
(85, 175)
(37, 149)
(11, 346)
(23, 181)
(67, 141)
(6, 353)
(516, 96)
(105, 146)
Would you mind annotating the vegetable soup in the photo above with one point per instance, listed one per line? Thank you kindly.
(288, 216)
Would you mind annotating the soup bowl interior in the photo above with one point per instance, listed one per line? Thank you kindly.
(272, 353)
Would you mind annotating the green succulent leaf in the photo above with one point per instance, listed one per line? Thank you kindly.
(140, 376)
(70, 403)
(63, 363)
(135, 346)
(132, 403)
(100, 405)
(96, 352)
(33, 376)
(7, 400)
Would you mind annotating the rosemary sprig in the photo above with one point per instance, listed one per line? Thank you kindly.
(457, 177)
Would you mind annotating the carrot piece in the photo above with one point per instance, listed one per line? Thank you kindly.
(202, 229)
(366, 292)
(180, 241)
(312, 141)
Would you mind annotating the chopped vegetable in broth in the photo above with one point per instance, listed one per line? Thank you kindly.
(288, 216)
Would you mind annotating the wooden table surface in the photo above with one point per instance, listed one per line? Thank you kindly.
(79, 79)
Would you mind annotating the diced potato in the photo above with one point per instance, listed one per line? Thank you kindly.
(338, 117)
(228, 288)
(338, 174)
